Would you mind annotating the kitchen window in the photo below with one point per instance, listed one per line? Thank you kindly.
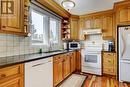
(54, 30)
(45, 28)
(39, 23)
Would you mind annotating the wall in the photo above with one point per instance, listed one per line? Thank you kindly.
(97, 39)
(11, 45)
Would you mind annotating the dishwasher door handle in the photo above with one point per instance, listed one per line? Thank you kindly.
(40, 64)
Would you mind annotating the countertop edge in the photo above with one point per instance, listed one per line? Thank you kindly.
(34, 59)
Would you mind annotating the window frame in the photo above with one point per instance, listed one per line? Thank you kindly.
(49, 15)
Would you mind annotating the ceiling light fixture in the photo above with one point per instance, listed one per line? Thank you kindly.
(68, 4)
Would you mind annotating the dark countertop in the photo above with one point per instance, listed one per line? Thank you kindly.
(109, 51)
(12, 60)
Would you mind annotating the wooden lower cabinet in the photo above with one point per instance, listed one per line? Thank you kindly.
(73, 61)
(78, 61)
(63, 66)
(15, 82)
(66, 65)
(57, 69)
(12, 76)
(109, 63)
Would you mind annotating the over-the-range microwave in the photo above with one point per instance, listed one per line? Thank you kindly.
(74, 45)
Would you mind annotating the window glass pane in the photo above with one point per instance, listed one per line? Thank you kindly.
(54, 30)
(45, 29)
(37, 28)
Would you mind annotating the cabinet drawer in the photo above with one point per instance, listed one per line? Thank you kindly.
(109, 55)
(108, 61)
(10, 71)
(15, 82)
(56, 58)
(108, 70)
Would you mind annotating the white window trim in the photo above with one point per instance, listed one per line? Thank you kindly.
(48, 27)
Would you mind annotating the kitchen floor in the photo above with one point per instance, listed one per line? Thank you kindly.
(104, 81)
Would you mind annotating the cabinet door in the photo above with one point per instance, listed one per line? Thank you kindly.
(81, 24)
(124, 14)
(16, 82)
(14, 22)
(66, 66)
(108, 27)
(73, 62)
(97, 22)
(109, 63)
(78, 61)
(57, 71)
(74, 29)
(88, 23)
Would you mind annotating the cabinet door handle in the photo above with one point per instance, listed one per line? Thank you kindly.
(109, 54)
(109, 61)
(3, 26)
(3, 75)
(63, 60)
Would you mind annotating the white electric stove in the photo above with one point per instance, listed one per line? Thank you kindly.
(91, 58)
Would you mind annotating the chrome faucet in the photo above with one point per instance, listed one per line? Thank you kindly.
(51, 46)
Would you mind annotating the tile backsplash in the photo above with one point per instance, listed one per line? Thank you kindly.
(11, 45)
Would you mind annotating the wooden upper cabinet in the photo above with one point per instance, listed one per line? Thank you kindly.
(93, 22)
(14, 22)
(81, 24)
(107, 27)
(88, 23)
(74, 29)
(97, 22)
(123, 12)
(124, 15)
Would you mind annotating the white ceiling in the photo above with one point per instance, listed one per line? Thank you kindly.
(89, 6)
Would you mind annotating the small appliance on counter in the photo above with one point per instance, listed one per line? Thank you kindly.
(65, 45)
(71, 45)
(109, 46)
(74, 45)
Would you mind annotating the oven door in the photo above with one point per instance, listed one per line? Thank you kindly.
(92, 59)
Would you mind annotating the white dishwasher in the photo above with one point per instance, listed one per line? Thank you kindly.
(39, 73)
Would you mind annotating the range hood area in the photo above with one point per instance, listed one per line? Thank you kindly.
(91, 31)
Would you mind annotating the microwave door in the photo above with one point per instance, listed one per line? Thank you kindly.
(73, 46)
(124, 43)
